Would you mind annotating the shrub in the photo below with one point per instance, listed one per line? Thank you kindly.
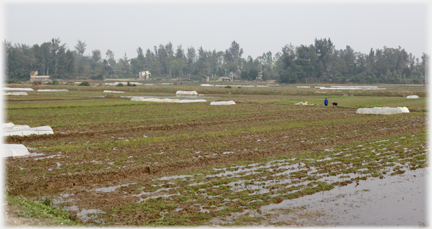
(227, 86)
(85, 83)
(119, 85)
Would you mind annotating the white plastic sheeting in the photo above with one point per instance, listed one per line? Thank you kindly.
(116, 83)
(166, 100)
(16, 93)
(223, 103)
(136, 83)
(303, 86)
(17, 89)
(148, 84)
(412, 97)
(218, 85)
(301, 103)
(191, 101)
(181, 93)
(14, 150)
(383, 110)
(9, 129)
(47, 90)
(108, 91)
(9, 124)
(351, 88)
(207, 85)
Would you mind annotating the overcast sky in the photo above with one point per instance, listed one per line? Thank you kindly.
(258, 28)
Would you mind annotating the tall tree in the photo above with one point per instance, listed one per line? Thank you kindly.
(110, 58)
(54, 48)
(140, 57)
(324, 48)
(96, 57)
(81, 47)
(135, 66)
(125, 66)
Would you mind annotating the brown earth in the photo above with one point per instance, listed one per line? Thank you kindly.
(254, 130)
(12, 219)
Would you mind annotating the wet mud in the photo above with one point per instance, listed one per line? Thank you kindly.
(216, 166)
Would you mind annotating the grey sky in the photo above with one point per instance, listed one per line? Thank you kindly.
(257, 28)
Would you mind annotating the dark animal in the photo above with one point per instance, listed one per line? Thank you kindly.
(334, 104)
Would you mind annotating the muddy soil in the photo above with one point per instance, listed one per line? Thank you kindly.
(115, 169)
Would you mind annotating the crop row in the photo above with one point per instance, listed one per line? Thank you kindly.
(80, 163)
(198, 196)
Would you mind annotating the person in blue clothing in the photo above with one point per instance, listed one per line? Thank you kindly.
(325, 102)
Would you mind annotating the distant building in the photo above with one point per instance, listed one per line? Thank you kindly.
(35, 78)
(224, 78)
(259, 76)
(144, 75)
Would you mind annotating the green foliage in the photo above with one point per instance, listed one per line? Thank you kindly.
(244, 75)
(253, 74)
(54, 82)
(42, 210)
(85, 83)
(98, 77)
(119, 85)
(319, 62)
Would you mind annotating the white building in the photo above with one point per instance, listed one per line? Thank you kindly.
(35, 78)
(144, 75)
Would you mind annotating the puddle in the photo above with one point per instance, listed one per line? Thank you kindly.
(97, 162)
(52, 156)
(155, 197)
(84, 215)
(61, 199)
(392, 201)
(174, 177)
(111, 188)
(151, 193)
(73, 208)
(325, 159)
(35, 154)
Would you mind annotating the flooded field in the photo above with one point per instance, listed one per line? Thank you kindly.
(263, 161)
(394, 201)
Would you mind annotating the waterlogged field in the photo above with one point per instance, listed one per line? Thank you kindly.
(113, 161)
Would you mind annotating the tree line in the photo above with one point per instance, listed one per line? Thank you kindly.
(320, 62)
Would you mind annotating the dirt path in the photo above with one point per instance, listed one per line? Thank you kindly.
(12, 219)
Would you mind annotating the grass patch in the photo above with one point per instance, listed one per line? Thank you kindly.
(45, 210)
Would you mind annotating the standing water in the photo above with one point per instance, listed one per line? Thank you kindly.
(398, 200)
